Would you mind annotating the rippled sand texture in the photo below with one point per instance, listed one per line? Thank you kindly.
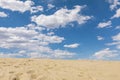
(41, 69)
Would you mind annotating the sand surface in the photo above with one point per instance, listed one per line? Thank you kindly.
(45, 69)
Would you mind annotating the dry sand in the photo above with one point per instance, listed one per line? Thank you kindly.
(44, 69)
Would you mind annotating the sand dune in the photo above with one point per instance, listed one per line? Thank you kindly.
(41, 69)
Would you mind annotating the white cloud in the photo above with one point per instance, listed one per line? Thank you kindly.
(113, 4)
(117, 15)
(75, 45)
(116, 41)
(16, 5)
(117, 27)
(13, 36)
(104, 24)
(4, 55)
(116, 37)
(53, 54)
(50, 6)
(50, 33)
(34, 27)
(105, 53)
(36, 9)
(100, 38)
(29, 43)
(113, 43)
(21, 6)
(3, 14)
(61, 18)
(62, 54)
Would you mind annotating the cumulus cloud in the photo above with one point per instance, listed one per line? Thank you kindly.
(104, 24)
(61, 18)
(13, 36)
(105, 53)
(21, 6)
(75, 45)
(100, 38)
(3, 14)
(16, 5)
(30, 43)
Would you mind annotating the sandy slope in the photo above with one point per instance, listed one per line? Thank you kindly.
(35, 69)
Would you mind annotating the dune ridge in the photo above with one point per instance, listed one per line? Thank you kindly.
(48, 69)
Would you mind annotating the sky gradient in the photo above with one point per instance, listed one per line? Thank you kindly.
(60, 29)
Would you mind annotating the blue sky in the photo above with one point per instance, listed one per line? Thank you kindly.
(60, 29)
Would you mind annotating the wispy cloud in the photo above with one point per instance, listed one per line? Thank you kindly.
(117, 15)
(105, 53)
(116, 41)
(50, 6)
(75, 45)
(104, 24)
(117, 27)
(100, 38)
